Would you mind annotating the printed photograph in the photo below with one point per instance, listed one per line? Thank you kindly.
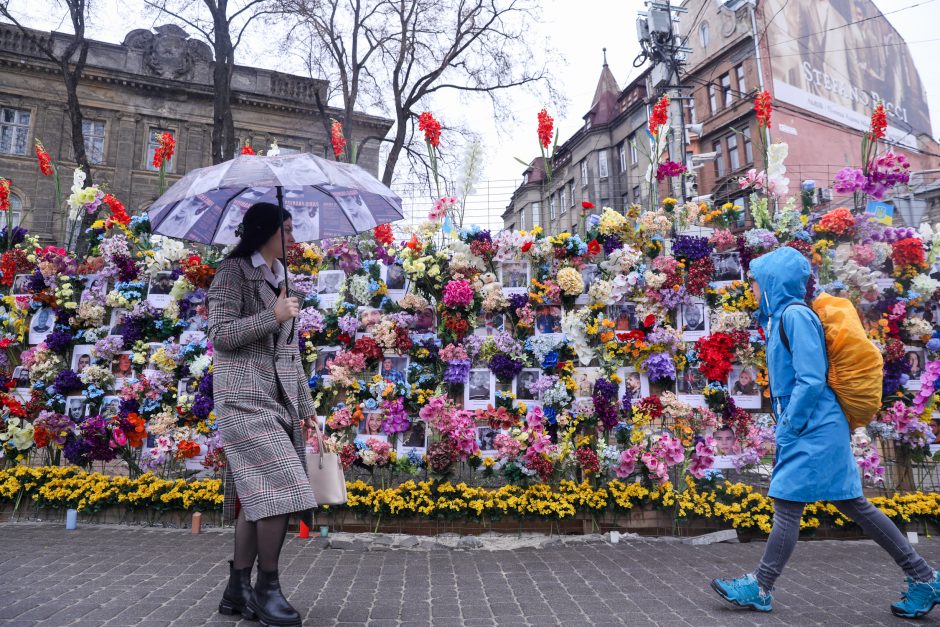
(423, 321)
(96, 288)
(368, 318)
(414, 439)
(589, 274)
(20, 377)
(116, 324)
(914, 358)
(727, 267)
(548, 319)
(489, 324)
(514, 276)
(486, 439)
(158, 294)
(742, 382)
(122, 367)
(693, 320)
(81, 357)
(21, 285)
(584, 379)
(41, 325)
(623, 315)
(371, 424)
(527, 377)
(75, 408)
(329, 281)
(395, 369)
(110, 406)
(325, 356)
(480, 390)
(691, 382)
(394, 277)
(636, 383)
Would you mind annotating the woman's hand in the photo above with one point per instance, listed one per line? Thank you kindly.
(286, 307)
(311, 422)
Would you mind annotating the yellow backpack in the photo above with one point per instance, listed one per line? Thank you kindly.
(856, 367)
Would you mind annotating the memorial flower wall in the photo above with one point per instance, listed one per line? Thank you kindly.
(628, 352)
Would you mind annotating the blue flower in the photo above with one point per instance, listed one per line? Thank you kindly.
(371, 404)
(551, 414)
(933, 345)
(593, 220)
(551, 360)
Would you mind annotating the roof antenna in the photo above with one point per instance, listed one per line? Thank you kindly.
(605, 57)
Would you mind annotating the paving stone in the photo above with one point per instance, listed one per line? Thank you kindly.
(725, 535)
(137, 577)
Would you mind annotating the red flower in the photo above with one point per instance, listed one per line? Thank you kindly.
(247, 149)
(763, 106)
(879, 122)
(336, 137)
(715, 352)
(165, 148)
(526, 247)
(383, 234)
(4, 194)
(594, 247)
(649, 320)
(414, 244)
(660, 115)
(118, 211)
(587, 204)
(546, 129)
(908, 252)
(431, 128)
(45, 161)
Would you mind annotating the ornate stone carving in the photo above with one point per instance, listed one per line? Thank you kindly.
(169, 52)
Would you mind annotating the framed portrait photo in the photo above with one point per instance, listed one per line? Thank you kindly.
(480, 389)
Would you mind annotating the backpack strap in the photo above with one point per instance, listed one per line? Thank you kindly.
(783, 334)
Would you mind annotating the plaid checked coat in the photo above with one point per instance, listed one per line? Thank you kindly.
(261, 396)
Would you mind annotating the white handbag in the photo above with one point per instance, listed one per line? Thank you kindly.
(325, 471)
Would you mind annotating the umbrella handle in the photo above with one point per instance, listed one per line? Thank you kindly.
(280, 206)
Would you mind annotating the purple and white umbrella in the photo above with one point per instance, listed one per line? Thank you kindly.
(325, 198)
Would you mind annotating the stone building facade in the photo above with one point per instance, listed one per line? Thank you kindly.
(821, 125)
(604, 162)
(155, 81)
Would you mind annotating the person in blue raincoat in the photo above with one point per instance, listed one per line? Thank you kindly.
(814, 454)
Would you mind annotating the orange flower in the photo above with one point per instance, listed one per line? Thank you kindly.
(337, 139)
(763, 106)
(879, 122)
(118, 211)
(431, 128)
(546, 129)
(164, 152)
(383, 234)
(659, 116)
(135, 431)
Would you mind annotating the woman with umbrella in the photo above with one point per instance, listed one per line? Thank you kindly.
(261, 398)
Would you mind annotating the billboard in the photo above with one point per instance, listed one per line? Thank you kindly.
(838, 58)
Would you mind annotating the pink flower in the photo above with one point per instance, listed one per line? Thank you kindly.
(118, 438)
(507, 447)
(627, 462)
(703, 457)
(754, 179)
(458, 294)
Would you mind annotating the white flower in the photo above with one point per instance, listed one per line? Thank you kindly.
(777, 183)
(200, 366)
(574, 328)
(274, 151)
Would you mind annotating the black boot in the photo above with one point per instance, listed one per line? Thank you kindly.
(268, 602)
(237, 593)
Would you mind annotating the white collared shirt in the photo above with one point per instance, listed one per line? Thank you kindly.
(275, 277)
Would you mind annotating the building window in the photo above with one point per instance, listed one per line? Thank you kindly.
(726, 89)
(622, 156)
(693, 118)
(536, 214)
(563, 201)
(152, 144)
(633, 154)
(14, 131)
(16, 208)
(739, 72)
(287, 150)
(551, 207)
(602, 164)
(703, 34)
(719, 159)
(734, 158)
(625, 201)
(584, 172)
(636, 194)
(93, 132)
(748, 149)
(525, 178)
(522, 218)
(712, 102)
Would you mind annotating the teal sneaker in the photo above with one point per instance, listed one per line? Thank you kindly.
(744, 592)
(919, 598)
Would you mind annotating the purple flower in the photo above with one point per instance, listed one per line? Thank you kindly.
(59, 341)
(848, 181)
(504, 367)
(691, 247)
(36, 282)
(612, 243)
(457, 371)
(67, 381)
(348, 324)
(605, 391)
(518, 301)
(396, 418)
(660, 367)
(76, 450)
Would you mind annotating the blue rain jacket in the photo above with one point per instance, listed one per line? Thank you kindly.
(814, 454)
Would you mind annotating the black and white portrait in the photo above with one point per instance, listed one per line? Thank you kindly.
(524, 381)
(116, 325)
(589, 274)
(486, 438)
(40, 325)
(75, 408)
(727, 266)
(480, 389)
(693, 320)
(328, 285)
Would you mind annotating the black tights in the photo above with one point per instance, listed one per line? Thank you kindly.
(262, 538)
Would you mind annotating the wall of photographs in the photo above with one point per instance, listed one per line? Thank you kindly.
(627, 352)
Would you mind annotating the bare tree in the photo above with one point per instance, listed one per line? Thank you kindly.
(399, 53)
(71, 63)
(223, 24)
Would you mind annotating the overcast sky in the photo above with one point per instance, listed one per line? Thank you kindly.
(579, 30)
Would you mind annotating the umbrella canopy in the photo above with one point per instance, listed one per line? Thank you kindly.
(326, 198)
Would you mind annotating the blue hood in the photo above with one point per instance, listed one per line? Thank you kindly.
(782, 276)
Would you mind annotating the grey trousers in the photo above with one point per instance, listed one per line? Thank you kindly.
(874, 523)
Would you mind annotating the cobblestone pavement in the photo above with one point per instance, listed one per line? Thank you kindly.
(117, 575)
